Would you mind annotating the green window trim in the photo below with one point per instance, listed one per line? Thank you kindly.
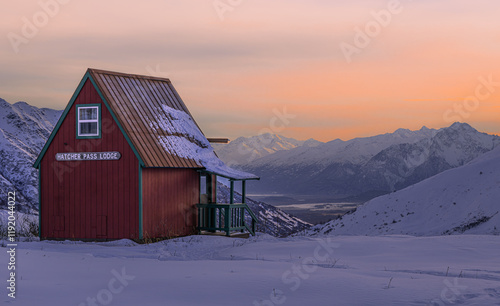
(97, 120)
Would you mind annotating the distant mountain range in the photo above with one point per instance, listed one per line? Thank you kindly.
(461, 200)
(361, 168)
(244, 150)
(23, 132)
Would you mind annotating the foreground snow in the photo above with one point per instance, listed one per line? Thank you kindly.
(205, 270)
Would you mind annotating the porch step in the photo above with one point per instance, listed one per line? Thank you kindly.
(232, 235)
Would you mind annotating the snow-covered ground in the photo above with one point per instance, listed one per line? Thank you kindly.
(263, 270)
(461, 200)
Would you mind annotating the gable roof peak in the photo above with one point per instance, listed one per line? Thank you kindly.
(94, 71)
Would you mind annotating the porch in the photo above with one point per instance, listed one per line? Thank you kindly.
(226, 218)
(229, 219)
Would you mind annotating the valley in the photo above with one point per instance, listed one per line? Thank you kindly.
(307, 207)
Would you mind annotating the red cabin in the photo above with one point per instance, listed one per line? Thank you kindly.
(127, 160)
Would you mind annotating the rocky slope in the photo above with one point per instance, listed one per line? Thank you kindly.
(23, 132)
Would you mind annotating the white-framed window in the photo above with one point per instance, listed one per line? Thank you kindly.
(88, 121)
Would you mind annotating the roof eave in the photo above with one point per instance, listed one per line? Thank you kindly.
(256, 178)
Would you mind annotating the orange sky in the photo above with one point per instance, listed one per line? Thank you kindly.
(239, 64)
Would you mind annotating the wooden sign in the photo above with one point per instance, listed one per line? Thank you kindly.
(88, 156)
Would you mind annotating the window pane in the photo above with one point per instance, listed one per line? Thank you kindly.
(88, 113)
(88, 128)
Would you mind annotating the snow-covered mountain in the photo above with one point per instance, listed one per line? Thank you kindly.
(353, 151)
(461, 200)
(369, 166)
(272, 220)
(244, 150)
(23, 132)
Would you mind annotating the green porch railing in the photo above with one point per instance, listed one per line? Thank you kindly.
(225, 217)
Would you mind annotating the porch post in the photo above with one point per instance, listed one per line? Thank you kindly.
(214, 188)
(210, 211)
(227, 220)
(209, 188)
(231, 193)
(243, 191)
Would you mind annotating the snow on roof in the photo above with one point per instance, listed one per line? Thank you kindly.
(179, 135)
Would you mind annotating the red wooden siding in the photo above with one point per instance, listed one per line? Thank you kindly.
(169, 197)
(89, 199)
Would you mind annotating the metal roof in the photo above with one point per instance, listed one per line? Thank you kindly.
(136, 101)
(158, 123)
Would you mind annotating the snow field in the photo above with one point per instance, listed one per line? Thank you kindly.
(262, 270)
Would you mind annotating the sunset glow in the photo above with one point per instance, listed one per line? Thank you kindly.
(237, 64)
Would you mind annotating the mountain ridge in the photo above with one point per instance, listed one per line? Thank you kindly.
(370, 165)
(244, 150)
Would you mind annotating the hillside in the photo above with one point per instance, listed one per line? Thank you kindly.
(461, 200)
(23, 132)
